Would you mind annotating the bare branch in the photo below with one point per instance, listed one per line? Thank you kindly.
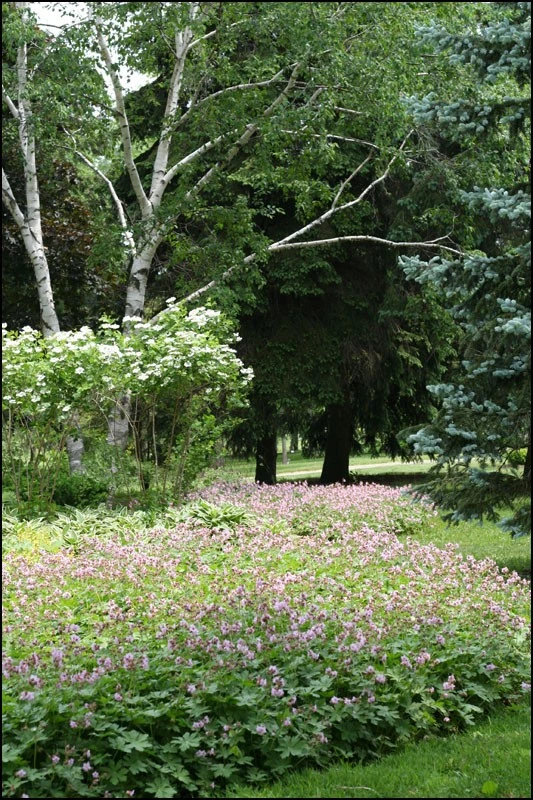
(348, 179)
(9, 201)
(249, 131)
(433, 244)
(334, 210)
(212, 33)
(236, 88)
(348, 110)
(333, 136)
(159, 178)
(204, 148)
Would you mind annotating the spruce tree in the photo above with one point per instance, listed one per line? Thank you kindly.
(481, 435)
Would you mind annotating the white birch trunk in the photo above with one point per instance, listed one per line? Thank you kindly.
(118, 424)
(143, 251)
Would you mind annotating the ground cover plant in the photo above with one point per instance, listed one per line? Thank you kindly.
(258, 630)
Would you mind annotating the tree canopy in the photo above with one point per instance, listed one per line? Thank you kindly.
(278, 160)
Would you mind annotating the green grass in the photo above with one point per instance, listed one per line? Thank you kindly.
(482, 541)
(312, 467)
(491, 761)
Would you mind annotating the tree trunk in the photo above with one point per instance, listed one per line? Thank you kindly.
(284, 454)
(118, 423)
(75, 450)
(336, 467)
(265, 457)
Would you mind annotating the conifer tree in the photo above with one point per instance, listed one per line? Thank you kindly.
(483, 426)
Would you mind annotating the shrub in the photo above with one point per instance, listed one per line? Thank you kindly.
(79, 490)
(173, 661)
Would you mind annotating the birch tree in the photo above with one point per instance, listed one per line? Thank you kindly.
(214, 130)
(247, 87)
(18, 94)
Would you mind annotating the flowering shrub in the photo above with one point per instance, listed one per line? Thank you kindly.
(184, 362)
(178, 660)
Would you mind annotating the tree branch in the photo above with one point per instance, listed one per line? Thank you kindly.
(10, 203)
(120, 109)
(9, 103)
(204, 148)
(334, 136)
(334, 210)
(237, 87)
(348, 179)
(432, 244)
(276, 246)
(249, 131)
(116, 199)
(159, 178)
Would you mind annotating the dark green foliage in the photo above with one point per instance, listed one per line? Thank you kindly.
(79, 490)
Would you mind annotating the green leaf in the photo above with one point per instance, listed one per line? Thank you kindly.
(10, 753)
(489, 788)
(161, 788)
(130, 741)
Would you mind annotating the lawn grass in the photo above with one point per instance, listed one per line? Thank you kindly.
(302, 467)
(493, 760)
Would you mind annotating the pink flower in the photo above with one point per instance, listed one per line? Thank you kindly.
(449, 685)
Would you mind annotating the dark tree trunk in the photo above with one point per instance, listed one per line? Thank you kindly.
(265, 458)
(336, 467)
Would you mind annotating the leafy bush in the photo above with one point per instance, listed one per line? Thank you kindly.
(222, 517)
(79, 490)
(184, 363)
(174, 661)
